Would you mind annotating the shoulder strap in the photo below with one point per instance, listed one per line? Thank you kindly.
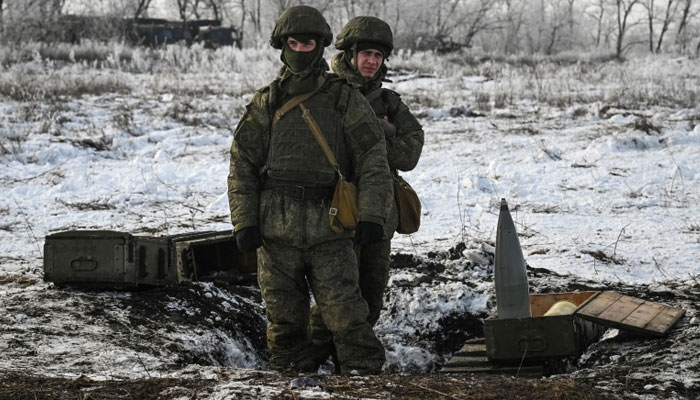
(316, 130)
(296, 100)
(373, 94)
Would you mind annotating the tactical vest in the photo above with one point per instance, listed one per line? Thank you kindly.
(295, 156)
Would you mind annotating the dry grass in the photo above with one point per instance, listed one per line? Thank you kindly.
(603, 257)
(22, 281)
(564, 80)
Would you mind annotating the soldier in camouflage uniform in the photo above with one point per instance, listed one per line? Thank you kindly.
(280, 186)
(366, 42)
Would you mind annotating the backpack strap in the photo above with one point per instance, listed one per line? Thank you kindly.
(296, 100)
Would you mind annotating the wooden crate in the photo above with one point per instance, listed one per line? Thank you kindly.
(471, 358)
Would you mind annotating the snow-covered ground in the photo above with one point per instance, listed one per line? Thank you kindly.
(604, 187)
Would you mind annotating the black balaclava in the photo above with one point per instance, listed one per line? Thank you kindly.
(301, 68)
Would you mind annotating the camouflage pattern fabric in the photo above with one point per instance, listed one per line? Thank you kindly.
(364, 156)
(330, 269)
(298, 244)
(404, 146)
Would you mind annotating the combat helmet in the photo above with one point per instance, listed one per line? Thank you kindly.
(365, 29)
(300, 20)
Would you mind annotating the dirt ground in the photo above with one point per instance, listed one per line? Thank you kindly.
(157, 323)
(17, 386)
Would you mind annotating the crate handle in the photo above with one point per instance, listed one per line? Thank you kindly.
(532, 343)
(82, 263)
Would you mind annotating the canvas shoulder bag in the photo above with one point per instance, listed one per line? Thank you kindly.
(408, 205)
(343, 213)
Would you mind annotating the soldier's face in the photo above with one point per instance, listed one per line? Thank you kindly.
(368, 62)
(301, 46)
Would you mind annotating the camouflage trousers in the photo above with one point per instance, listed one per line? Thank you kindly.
(330, 269)
(374, 276)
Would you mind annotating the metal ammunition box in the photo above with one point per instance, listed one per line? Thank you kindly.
(549, 337)
(207, 256)
(110, 259)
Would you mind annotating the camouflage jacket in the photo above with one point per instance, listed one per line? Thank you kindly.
(403, 146)
(404, 136)
(350, 129)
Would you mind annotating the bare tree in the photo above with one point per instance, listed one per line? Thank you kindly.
(597, 12)
(182, 7)
(255, 17)
(479, 20)
(241, 24)
(282, 5)
(683, 23)
(557, 21)
(570, 17)
(195, 9)
(141, 8)
(651, 9)
(443, 24)
(513, 23)
(215, 9)
(671, 9)
(397, 19)
(622, 16)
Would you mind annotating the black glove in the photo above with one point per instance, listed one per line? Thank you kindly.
(368, 233)
(248, 239)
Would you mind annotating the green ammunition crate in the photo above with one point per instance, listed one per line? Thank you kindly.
(549, 337)
(207, 256)
(106, 258)
(111, 259)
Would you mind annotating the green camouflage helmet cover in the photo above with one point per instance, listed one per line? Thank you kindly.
(365, 29)
(300, 20)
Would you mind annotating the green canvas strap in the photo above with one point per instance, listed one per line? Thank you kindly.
(318, 135)
(296, 100)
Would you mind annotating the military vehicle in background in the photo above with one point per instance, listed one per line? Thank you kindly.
(439, 43)
(214, 37)
(198, 24)
(152, 32)
(156, 32)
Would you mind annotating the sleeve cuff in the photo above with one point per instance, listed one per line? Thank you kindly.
(242, 225)
(372, 218)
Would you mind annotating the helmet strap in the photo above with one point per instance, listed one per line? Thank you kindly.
(354, 58)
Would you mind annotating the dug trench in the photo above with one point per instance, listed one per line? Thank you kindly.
(220, 327)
